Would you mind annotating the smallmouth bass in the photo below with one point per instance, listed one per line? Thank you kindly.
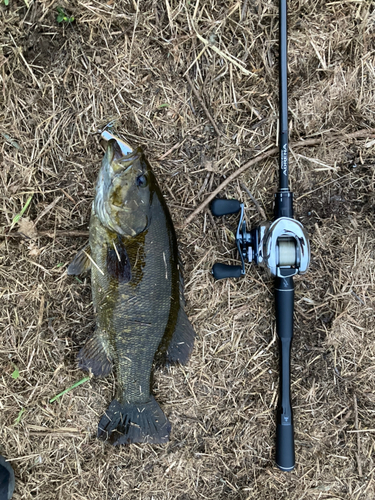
(137, 291)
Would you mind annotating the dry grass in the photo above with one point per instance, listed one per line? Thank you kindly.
(126, 61)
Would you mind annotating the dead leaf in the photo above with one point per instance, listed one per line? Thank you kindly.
(34, 251)
(27, 227)
(210, 166)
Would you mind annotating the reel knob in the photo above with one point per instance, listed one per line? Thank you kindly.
(221, 271)
(221, 206)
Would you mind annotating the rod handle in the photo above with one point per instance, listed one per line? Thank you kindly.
(284, 305)
(284, 302)
(221, 206)
(221, 271)
(285, 459)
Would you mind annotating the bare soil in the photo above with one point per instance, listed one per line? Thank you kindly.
(131, 61)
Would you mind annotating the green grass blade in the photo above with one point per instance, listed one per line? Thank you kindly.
(18, 419)
(10, 140)
(69, 389)
(18, 216)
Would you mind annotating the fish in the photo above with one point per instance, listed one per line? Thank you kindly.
(137, 293)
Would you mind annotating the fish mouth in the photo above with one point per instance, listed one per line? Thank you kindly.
(125, 148)
(121, 156)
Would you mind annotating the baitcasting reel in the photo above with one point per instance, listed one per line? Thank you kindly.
(281, 246)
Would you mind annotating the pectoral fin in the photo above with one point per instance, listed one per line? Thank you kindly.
(95, 356)
(182, 342)
(118, 265)
(81, 262)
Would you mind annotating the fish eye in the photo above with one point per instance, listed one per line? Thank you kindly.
(142, 181)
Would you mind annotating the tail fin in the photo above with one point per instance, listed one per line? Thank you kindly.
(141, 423)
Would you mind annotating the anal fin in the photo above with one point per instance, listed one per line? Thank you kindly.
(182, 342)
(95, 357)
(81, 262)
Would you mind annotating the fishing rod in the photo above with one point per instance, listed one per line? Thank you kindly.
(281, 246)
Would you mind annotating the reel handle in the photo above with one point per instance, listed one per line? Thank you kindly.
(221, 271)
(284, 301)
(220, 206)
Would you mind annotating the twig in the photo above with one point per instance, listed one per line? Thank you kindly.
(19, 52)
(93, 262)
(228, 57)
(258, 207)
(322, 186)
(47, 209)
(208, 114)
(362, 430)
(300, 144)
(195, 60)
(205, 182)
(243, 11)
(358, 437)
(229, 179)
(176, 146)
(118, 256)
(214, 226)
(48, 234)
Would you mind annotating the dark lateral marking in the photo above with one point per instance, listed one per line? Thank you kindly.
(118, 265)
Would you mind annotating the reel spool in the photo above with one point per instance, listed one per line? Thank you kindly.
(287, 256)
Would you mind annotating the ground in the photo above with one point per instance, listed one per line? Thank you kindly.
(137, 63)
